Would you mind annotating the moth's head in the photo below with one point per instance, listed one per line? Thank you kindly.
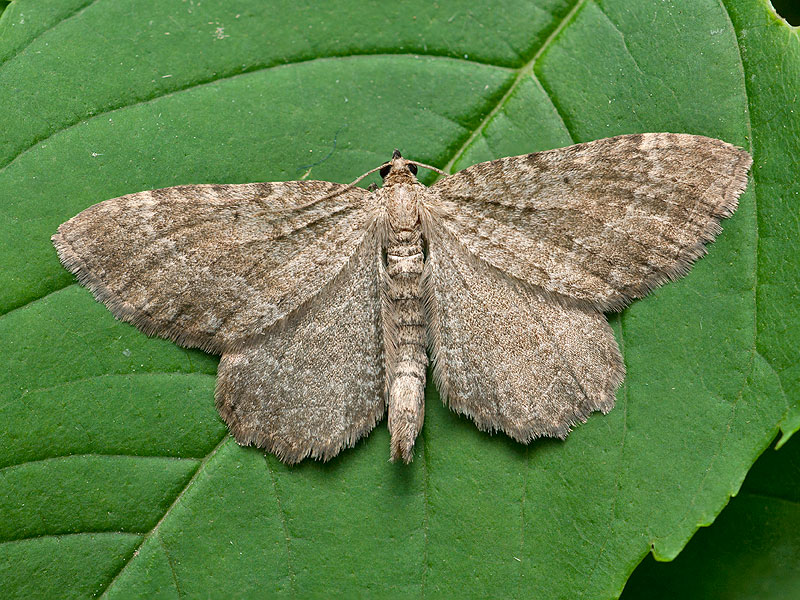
(398, 170)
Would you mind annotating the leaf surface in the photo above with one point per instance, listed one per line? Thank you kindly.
(113, 458)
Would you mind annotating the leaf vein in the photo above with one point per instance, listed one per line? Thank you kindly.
(92, 455)
(284, 525)
(171, 567)
(34, 538)
(80, 380)
(526, 69)
(77, 12)
(225, 439)
(620, 465)
(255, 68)
(426, 516)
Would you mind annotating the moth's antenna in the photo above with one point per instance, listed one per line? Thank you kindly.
(370, 172)
(351, 185)
(424, 166)
(386, 164)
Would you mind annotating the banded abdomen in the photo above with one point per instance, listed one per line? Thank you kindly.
(405, 339)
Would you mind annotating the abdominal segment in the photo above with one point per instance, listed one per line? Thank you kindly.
(405, 336)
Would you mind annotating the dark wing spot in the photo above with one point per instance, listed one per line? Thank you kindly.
(536, 160)
(262, 190)
(160, 194)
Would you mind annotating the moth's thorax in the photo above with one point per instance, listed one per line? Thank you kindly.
(401, 201)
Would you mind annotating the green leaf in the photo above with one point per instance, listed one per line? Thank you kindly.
(116, 474)
(751, 549)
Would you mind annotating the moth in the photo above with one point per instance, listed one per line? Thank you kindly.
(325, 300)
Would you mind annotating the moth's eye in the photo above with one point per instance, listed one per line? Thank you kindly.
(413, 168)
(385, 171)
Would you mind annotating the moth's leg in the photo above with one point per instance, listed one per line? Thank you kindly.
(406, 341)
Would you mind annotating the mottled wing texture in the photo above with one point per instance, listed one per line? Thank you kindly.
(511, 358)
(602, 222)
(208, 265)
(315, 384)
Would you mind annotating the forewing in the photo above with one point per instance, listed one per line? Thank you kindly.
(206, 265)
(602, 222)
(316, 384)
(512, 359)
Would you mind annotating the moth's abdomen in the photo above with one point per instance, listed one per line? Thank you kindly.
(406, 340)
